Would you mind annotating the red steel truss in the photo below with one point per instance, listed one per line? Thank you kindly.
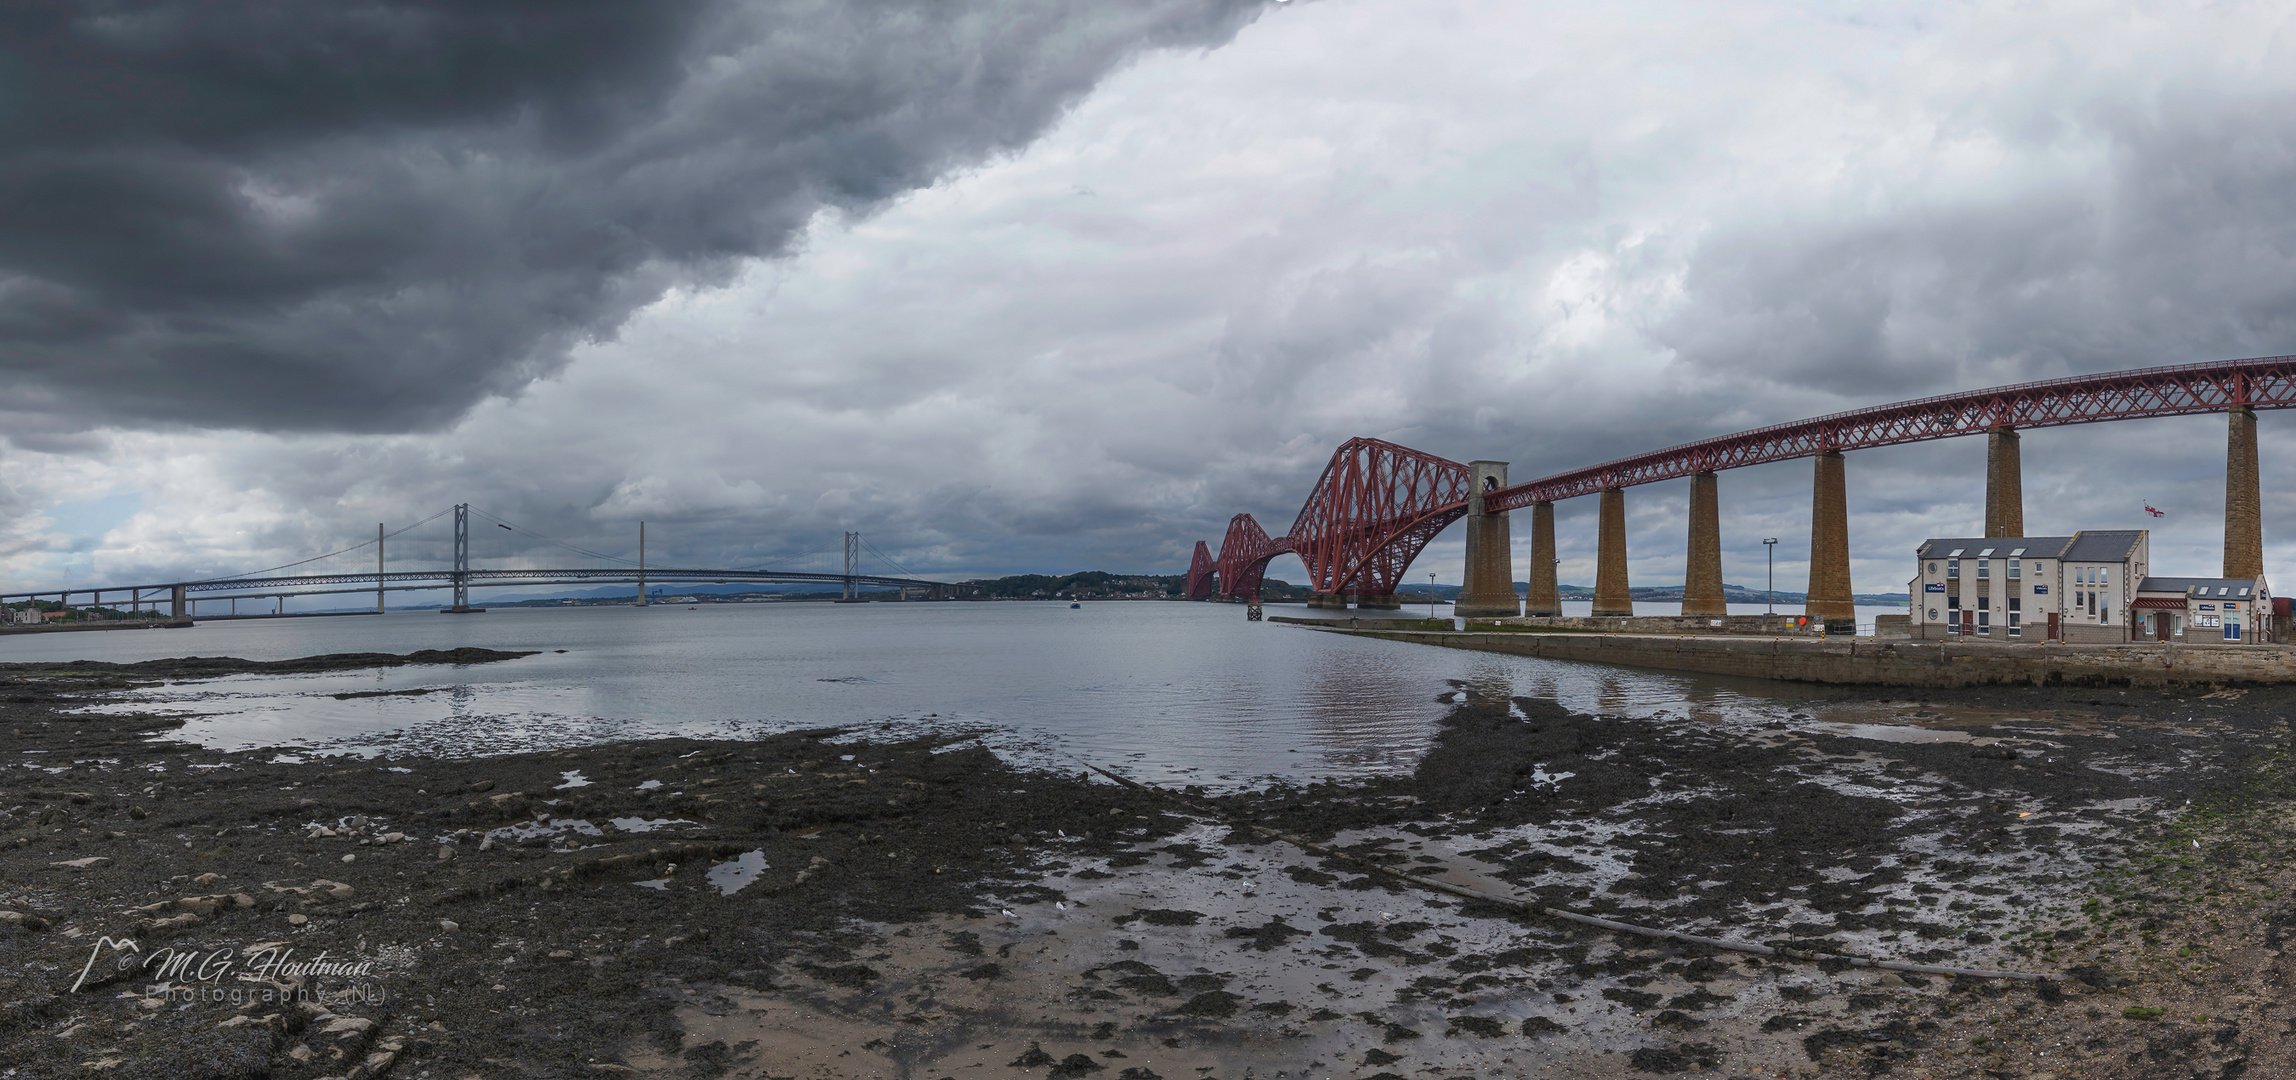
(1200, 571)
(1244, 555)
(2263, 383)
(1379, 504)
(1376, 507)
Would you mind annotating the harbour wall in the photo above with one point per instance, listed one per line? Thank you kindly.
(1856, 661)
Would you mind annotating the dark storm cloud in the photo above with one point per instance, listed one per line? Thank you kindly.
(367, 216)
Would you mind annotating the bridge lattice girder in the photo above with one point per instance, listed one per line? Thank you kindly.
(1244, 555)
(1379, 504)
(1201, 571)
(2262, 383)
(1375, 508)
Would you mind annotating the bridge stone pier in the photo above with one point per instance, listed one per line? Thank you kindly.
(1488, 589)
(1545, 598)
(1611, 595)
(1702, 579)
(2243, 499)
(1829, 596)
(2004, 484)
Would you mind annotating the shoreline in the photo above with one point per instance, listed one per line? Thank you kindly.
(923, 907)
(1849, 661)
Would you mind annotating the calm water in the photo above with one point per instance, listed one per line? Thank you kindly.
(1166, 691)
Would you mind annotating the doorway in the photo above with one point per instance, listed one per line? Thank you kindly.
(2160, 626)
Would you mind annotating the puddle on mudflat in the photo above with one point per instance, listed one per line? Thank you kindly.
(639, 824)
(735, 874)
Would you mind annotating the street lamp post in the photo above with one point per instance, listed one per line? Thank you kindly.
(1770, 595)
(1430, 594)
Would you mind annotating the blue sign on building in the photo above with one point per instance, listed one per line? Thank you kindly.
(2040, 590)
(1934, 586)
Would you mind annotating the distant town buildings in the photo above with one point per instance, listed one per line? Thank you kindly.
(2091, 587)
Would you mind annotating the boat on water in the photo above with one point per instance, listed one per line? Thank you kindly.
(1075, 604)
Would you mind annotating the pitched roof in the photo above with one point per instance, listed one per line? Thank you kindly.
(2185, 585)
(2104, 545)
(2036, 547)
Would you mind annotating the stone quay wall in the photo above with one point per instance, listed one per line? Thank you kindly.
(1657, 624)
(1856, 661)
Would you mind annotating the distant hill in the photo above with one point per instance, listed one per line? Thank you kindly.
(1102, 585)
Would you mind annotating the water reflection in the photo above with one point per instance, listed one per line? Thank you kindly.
(1170, 691)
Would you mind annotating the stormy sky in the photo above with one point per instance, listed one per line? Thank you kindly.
(1039, 285)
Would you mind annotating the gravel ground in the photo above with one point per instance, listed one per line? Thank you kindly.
(860, 903)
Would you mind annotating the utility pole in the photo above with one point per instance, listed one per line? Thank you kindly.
(641, 564)
(1770, 546)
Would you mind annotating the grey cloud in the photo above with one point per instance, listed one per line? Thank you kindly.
(2181, 248)
(367, 217)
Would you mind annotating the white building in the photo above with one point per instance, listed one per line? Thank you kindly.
(2074, 588)
(2204, 611)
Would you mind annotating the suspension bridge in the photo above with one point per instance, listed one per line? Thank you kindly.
(499, 555)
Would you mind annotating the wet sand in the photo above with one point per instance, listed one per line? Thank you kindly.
(851, 903)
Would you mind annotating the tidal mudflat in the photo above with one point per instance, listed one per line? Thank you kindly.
(864, 901)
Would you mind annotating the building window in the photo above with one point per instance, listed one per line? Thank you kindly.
(2016, 616)
(1933, 569)
(1984, 610)
(1933, 614)
(1952, 568)
(2014, 566)
(1984, 568)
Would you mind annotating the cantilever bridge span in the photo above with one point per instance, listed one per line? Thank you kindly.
(1378, 504)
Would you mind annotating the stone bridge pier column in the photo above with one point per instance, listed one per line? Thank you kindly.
(2243, 499)
(1610, 589)
(1830, 542)
(1702, 580)
(2004, 484)
(1381, 602)
(1545, 598)
(1488, 589)
(176, 607)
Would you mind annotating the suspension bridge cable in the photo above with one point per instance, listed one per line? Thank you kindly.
(768, 564)
(329, 555)
(552, 540)
(887, 559)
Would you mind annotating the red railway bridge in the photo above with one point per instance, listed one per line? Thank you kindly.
(1378, 504)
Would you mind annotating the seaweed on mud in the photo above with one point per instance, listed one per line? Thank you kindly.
(1212, 1004)
(1484, 1027)
(1674, 1059)
(1268, 936)
(1637, 1000)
